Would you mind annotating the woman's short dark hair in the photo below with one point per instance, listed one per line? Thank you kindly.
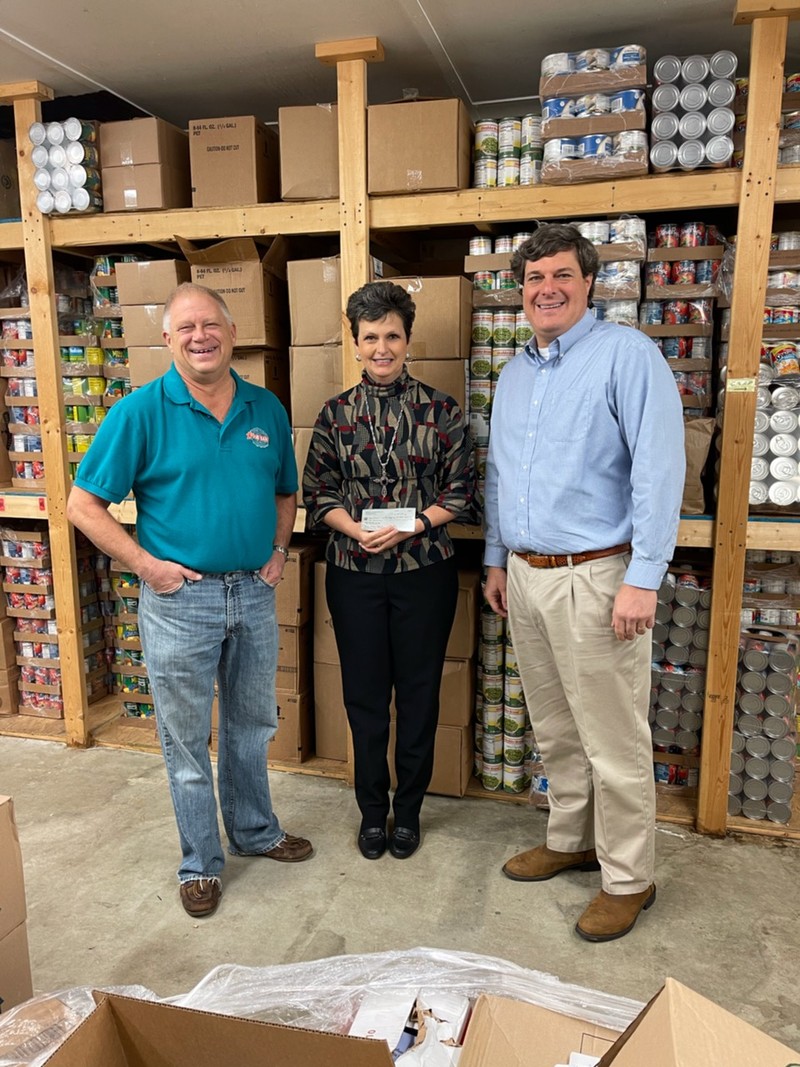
(375, 300)
(549, 240)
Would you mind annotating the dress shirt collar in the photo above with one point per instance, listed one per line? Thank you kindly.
(561, 345)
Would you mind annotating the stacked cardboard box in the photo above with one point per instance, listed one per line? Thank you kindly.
(436, 136)
(15, 968)
(233, 161)
(304, 131)
(145, 164)
(143, 289)
(453, 757)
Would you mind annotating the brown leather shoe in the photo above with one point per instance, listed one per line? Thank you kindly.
(609, 917)
(289, 850)
(539, 864)
(200, 897)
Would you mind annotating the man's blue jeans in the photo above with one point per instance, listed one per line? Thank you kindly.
(222, 627)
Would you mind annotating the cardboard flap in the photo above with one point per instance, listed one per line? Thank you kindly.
(12, 888)
(680, 1028)
(233, 250)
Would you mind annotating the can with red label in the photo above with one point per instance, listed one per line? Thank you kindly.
(676, 312)
(692, 234)
(659, 273)
(683, 272)
(667, 235)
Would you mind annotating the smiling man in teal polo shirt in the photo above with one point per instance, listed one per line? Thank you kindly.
(209, 459)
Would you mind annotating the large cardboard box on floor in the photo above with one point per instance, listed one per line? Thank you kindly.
(315, 375)
(436, 140)
(453, 758)
(150, 281)
(330, 718)
(309, 140)
(447, 375)
(250, 281)
(144, 165)
(294, 740)
(443, 320)
(233, 161)
(294, 599)
(15, 968)
(294, 658)
(9, 688)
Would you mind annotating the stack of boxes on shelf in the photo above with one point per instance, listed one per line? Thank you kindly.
(453, 758)
(299, 127)
(693, 111)
(789, 135)
(28, 594)
(143, 288)
(232, 161)
(67, 175)
(682, 287)
(144, 165)
(593, 114)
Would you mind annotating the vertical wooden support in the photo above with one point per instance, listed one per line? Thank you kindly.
(44, 320)
(768, 48)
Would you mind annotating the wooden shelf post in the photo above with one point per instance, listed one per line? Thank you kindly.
(44, 320)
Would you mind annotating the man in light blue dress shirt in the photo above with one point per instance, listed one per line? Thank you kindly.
(584, 480)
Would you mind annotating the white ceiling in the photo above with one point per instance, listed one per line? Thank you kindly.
(208, 58)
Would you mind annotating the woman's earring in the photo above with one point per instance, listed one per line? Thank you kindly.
(358, 358)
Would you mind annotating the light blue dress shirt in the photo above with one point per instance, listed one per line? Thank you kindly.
(586, 451)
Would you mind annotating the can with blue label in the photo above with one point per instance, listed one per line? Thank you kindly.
(596, 146)
(557, 107)
(593, 59)
(592, 104)
(627, 55)
(627, 100)
(558, 148)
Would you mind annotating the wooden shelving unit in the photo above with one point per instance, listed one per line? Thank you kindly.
(753, 191)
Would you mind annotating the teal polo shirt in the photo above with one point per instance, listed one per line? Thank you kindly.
(205, 492)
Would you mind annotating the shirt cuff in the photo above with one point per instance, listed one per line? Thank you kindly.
(644, 575)
(495, 557)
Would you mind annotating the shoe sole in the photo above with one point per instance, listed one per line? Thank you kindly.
(597, 938)
(589, 865)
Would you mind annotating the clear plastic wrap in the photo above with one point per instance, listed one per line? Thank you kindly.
(319, 994)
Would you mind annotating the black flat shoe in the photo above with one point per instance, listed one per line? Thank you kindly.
(372, 842)
(403, 842)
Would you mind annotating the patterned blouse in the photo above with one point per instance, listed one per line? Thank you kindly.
(419, 436)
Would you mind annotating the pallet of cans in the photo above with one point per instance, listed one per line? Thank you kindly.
(678, 679)
(507, 152)
(593, 114)
(693, 115)
(764, 742)
(789, 132)
(130, 677)
(67, 166)
(771, 590)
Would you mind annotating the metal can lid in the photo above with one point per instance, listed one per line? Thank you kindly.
(734, 805)
(774, 726)
(667, 69)
(687, 740)
(781, 792)
(63, 201)
(692, 703)
(660, 632)
(783, 748)
(748, 725)
(676, 654)
(755, 788)
(703, 621)
(690, 154)
(694, 69)
(698, 657)
(720, 121)
(755, 660)
(738, 742)
(719, 149)
(752, 682)
(721, 92)
(700, 639)
(37, 133)
(723, 64)
(690, 719)
(680, 635)
(737, 763)
(693, 97)
(59, 178)
(757, 746)
(81, 199)
(45, 202)
(55, 132)
(691, 127)
(779, 683)
(705, 598)
(667, 718)
(684, 615)
(665, 97)
(777, 812)
(782, 770)
(671, 700)
(695, 679)
(776, 704)
(735, 784)
(663, 155)
(756, 767)
(42, 179)
(754, 809)
(781, 660)
(663, 737)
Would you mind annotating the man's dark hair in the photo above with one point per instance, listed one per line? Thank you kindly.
(375, 300)
(549, 240)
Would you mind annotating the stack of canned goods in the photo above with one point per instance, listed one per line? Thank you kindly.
(67, 174)
(591, 105)
(774, 470)
(771, 595)
(607, 149)
(504, 743)
(693, 114)
(789, 142)
(678, 673)
(764, 743)
(616, 58)
(508, 152)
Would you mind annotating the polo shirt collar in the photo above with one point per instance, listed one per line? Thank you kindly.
(559, 346)
(177, 391)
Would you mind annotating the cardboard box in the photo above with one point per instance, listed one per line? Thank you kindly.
(142, 325)
(264, 367)
(464, 635)
(15, 970)
(309, 134)
(9, 181)
(9, 689)
(8, 650)
(330, 718)
(145, 364)
(250, 280)
(294, 600)
(149, 140)
(457, 692)
(325, 650)
(443, 322)
(233, 161)
(150, 282)
(315, 375)
(144, 187)
(302, 442)
(294, 741)
(436, 140)
(315, 298)
(453, 759)
(294, 658)
(447, 375)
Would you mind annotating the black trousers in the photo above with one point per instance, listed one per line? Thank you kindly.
(392, 632)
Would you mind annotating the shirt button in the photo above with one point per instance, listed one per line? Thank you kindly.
(522, 500)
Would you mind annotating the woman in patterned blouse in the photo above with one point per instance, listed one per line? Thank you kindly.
(390, 442)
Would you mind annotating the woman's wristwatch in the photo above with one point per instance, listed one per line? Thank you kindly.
(283, 551)
(427, 525)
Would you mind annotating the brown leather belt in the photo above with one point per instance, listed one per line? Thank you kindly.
(569, 561)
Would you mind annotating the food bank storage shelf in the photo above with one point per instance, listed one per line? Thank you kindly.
(33, 727)
(254, 220)
(22, 505)
(10, 235)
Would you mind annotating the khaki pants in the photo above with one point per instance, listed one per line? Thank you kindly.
(587, 694)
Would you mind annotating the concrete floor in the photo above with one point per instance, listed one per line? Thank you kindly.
(100, 851)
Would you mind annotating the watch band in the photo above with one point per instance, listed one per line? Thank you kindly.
(427, 525)
(283, 551)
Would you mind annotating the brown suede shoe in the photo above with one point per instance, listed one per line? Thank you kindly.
(288, 850)
(539, 864)
(609, 917)
(200, 897)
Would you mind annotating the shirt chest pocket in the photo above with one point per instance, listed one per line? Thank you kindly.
(567, 416)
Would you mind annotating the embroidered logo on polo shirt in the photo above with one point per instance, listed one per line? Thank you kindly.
(259, 437)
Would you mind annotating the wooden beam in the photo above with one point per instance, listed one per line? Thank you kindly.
(44, 320)
(747, 11)
(368, 49)
(768, 47)
(12, 91)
